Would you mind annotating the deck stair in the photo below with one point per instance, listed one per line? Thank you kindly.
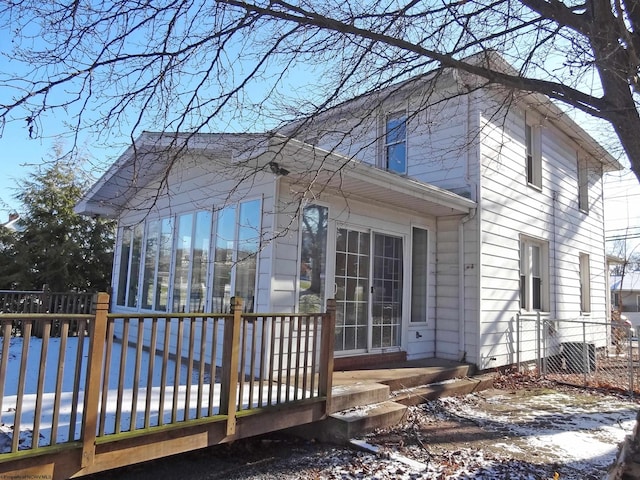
(363, 400)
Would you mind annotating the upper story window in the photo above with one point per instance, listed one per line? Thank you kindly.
(395, 142)
(533, 147)
(583, 185)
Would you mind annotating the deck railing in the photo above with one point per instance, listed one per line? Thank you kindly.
(127, 374)
(45, 301)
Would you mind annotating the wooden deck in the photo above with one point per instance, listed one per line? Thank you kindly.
(131, 388)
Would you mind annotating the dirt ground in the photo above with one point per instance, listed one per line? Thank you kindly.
(519, 431)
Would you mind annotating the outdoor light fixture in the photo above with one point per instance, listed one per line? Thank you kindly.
(277, 169)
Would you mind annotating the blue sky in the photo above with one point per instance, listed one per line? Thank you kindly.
(20, 154)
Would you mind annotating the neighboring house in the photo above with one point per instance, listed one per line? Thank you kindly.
(12, 223)
(625, 295)
(432, 212)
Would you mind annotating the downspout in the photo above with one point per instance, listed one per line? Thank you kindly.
(462, 341)
(462, 345)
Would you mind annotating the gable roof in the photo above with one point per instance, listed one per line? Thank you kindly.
(447, 77)
(308, 167)
(630, 282)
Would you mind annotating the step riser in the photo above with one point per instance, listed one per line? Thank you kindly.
(345, 397)
(339, 429)
(350, 416)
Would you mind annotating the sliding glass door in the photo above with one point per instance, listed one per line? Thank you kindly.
(368, 284)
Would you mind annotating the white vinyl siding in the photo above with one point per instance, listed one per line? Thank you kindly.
(550, 216)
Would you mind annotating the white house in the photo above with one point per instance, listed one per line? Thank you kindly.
(433, 211)
(625, 295)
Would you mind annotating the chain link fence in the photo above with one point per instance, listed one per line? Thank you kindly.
(593, 352)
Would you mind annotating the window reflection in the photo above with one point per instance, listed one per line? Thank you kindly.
(183, 262)
(136, 253)
(248, 247)
(168, 260)
(150, 261)
(223, 259)
(164, 263)
(313, 254)
(200, 262)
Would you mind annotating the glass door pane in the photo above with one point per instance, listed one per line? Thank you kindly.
(352, 290)
(386, 298)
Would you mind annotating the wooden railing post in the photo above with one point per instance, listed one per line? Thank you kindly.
(230, 366)
(97, 339)
(327, 344)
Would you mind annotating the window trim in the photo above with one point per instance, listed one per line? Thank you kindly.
(526, 293)
(132, 235)
(583, 184)
(584, 272)
(124, 270)
(425, 272)
(395, 114)
(533, 152)
(323, 273)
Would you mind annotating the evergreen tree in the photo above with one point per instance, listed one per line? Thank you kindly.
(53, 245)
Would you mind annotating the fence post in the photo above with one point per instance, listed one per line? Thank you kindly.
(630, 361)
(97, 339)
(518, 346)
(230, 366)
(585, 352)
(327, 344)
(538, 344)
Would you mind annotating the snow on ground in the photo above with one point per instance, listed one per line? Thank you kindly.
(68, 375)
(574, 429)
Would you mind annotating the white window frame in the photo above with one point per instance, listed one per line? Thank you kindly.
(128, 235)
(533, 152)
(327, 261)
(396, 114)
(585, 283)
(424, 270)
(583, 185)
(527, 274)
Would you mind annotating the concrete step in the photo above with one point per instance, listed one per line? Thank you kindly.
(341, 426)
(347, 396)
(363, 400)
(448, 388)
(400, 378)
